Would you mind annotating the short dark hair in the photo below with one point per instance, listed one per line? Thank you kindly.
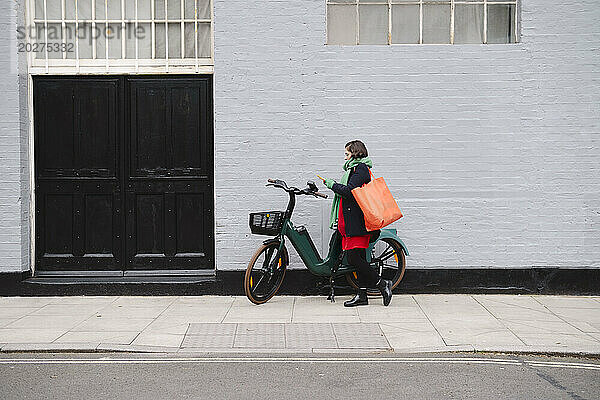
(357, 149)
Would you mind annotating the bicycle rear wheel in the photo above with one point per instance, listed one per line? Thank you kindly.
(265, 274)
(389, 259)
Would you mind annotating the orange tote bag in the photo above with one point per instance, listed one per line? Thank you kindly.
(377, 204)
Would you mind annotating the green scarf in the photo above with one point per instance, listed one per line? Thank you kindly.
(335, 207)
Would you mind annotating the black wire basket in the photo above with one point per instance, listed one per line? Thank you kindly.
(267, 222)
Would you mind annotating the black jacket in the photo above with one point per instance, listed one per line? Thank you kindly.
(354, 219)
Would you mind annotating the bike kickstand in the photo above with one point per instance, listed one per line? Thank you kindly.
(331, 292)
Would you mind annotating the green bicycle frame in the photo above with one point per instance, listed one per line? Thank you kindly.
(305, 247)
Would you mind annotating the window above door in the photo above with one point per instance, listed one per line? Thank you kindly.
(120, 36)
(353, 22)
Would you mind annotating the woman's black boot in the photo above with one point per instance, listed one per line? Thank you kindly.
(359, 300)
(385, 287)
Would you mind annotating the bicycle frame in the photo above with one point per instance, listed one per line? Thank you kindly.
(302, 242)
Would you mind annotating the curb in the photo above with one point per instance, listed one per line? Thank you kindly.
(583, 351)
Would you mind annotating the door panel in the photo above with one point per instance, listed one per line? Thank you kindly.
(78, 225)
(169, 186)
(123, 169)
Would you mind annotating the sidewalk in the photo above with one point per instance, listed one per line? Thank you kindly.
(293, 324)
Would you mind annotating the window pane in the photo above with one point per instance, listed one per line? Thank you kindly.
(54, 38)
(85, 42)
(189, 9)
(84, 9)
(405, 24)
(468, 23)
(114, 9)
(130, 9)
(53, 8)
(175, 40)
(159, 9)
(190, 39)
(144, 9)
(100, 42)
(100, 13)
(69, 33)
(501, 24)
(436, 23)
(160, 41)
(341, 24)
(38, 37)
(204, 40)
(173, 9)
(39, 9)
(203, 9)
(373, 23)
(130, 41)
(144, 34)
(113, 35)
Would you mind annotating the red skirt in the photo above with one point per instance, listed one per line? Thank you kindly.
(352, 242)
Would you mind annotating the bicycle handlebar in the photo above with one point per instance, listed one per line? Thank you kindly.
(284, 186)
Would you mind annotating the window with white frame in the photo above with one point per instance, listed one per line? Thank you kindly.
(351, 22)
(121, 34)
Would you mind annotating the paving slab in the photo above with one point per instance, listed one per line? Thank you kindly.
(583, 326)
(279, 311)
(121, 311)
(86, 346)
(34, 302)
(208, 341)
(198, 311)
(144, 301)
(112, 324)
(29, 335)
(16, 312)
(168, 325)
(541, 327)
(65, 322)
(212, 329)
(259, 341)
(158, 339)
(6, 321)
(411, 335)
(68, 309)
(136, 348)
(206, 300)
(567, 301)
(559, 339)
(514, 307)
(82, 300)
(99, 337)
(321, 310)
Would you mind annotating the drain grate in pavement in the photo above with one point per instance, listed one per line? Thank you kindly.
(285, 336)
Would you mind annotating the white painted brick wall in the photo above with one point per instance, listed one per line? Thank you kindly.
(491, 150)
(14, 197)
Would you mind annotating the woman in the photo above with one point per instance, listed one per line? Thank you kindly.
(351, 222)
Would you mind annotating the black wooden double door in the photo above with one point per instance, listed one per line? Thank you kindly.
(123, 173)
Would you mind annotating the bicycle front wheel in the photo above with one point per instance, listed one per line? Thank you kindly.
(265, 273)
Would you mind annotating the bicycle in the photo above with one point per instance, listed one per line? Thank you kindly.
(266, 269)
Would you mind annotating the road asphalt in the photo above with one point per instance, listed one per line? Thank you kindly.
(285, 376)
